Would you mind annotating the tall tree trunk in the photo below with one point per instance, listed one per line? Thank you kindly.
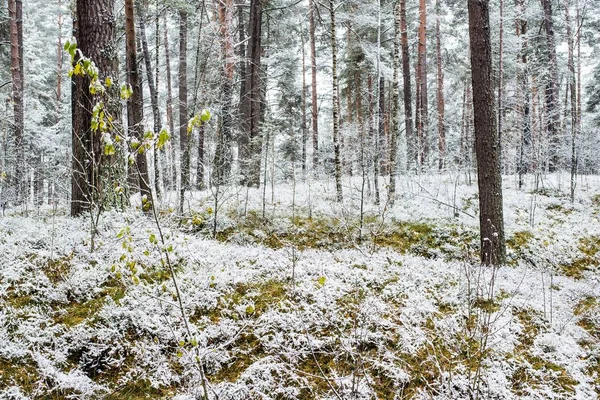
(222, 160)
(184, 145)
(421, 80)
(250, 145)
(573, 86)
(335, 105)
(440, 94)
(94, 29)
(501, 79)
(59, 58)
(170, 119)
(551, 98)
(15, 12)
(313, 91)
(153, 94)
(411, 142)
(491, 221)
(394, 111)
(523, 94)
(135, 105)
(304, 128)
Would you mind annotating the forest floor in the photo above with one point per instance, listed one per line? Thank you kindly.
(295, 298)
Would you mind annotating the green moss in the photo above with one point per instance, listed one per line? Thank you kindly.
(75, 313)
(18, 372)
(18, 301)
(519, 240)
(559, 208)
(58, 268)
(586, 309)
(533, 371)
(589, 247)
(247, 350)
(263, 295)
(138, 389)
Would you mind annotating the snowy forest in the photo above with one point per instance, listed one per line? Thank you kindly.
(299, 199)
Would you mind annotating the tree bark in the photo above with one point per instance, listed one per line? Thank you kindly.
(222, 160)
(135, 105)
(94, 29)
(335, 105)
(250, 144)
(440, 94)
(170, 119)
(394, 110)
(491, 222)
(551, 97)
(153, 95)
(15, 12)
(313, 91)
(303, 102)
(573, 86)
(184, 146)
(411, 142)
(421, 80)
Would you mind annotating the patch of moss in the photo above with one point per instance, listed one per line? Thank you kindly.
(559, 208)
(519, 240)
(585, 309)
(262, 294)
(533, 371)
(138, 389)
(425, 240)
(18, 301)
(57, 268)
(588, 261)
(18, 372)
(247, 350)
(75, 313)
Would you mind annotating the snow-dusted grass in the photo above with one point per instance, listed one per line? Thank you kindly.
(305, 304)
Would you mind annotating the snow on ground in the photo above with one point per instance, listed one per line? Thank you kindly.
(304, 304)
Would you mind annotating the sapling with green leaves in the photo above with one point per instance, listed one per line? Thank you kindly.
(159, 242)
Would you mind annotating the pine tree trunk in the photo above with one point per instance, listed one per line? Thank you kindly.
(184, 146)
(440, 94)
(523, 95)
(335, 106)
(573, 86)
(551, 97)
(394, 111)
(19, 181)
(500, 79)
(153, 94)
(222, 160)
(170, 118)
(250, 145)
(411, 142)
(135, 105)
(313, 91)
(491, 222)
(421, 80)
(94, 29)
(304, 127)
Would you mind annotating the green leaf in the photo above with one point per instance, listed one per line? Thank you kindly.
(205, 115)
(163, 138)
(321, 281)
(250, 309)
(109, 150)
(153, 238)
